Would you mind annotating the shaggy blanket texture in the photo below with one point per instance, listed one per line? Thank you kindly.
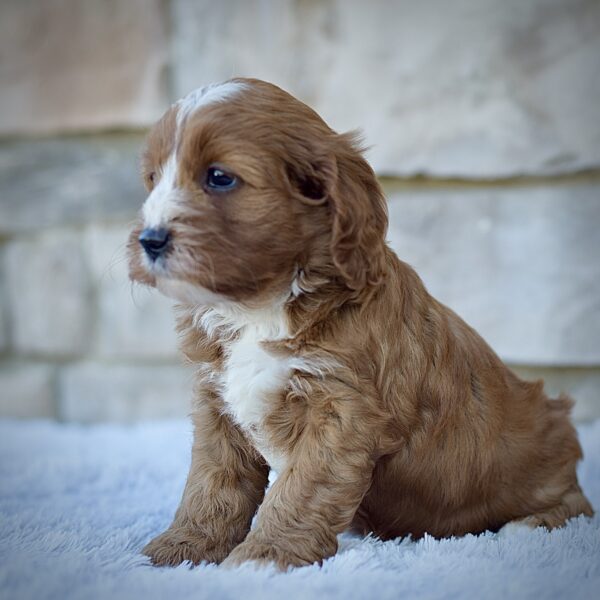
(78, 503)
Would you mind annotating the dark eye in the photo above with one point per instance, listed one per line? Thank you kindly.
(151, 177)
(219, 180)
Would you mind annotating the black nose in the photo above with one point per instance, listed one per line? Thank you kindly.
(154, 241)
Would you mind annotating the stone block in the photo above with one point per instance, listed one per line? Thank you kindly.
(133, 321)
(92, 392)
(73, 64)
(520, 264)
(475, 88)
(50, 297)
(583, 385)
(26, 390)
(68, 181)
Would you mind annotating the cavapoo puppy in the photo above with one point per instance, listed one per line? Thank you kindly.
(320, 354)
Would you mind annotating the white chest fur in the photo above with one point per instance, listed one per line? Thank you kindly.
(251, 379)
(251, 376)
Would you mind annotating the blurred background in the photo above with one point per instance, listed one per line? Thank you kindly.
(483, 121)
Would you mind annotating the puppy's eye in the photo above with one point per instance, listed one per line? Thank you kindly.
(219, 180)
(151, 178)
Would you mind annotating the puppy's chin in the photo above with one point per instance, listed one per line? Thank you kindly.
(186, 292)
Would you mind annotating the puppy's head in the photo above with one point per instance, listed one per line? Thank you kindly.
(247, 187)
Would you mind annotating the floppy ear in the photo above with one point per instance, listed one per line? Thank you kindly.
(314, 179)
(359, 219)
(341, 177)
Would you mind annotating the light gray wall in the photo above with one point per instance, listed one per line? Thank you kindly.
(482, 117)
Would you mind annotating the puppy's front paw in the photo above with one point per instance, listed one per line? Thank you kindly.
(263, 553)
(178, 544)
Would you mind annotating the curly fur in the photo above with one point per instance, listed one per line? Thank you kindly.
(383, 410)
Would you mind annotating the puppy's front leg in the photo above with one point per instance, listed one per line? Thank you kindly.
(225, 484)
(313, 500)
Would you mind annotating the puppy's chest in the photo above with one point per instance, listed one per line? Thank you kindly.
(251, 381)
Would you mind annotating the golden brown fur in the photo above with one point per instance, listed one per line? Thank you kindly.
(395, 418)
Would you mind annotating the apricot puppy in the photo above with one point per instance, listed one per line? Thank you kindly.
(320, 354)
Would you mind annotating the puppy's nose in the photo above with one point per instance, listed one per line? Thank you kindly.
(154, 241)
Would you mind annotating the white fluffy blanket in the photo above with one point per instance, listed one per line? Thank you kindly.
(78, 503)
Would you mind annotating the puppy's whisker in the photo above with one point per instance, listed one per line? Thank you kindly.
(133, 287)
(118, 257)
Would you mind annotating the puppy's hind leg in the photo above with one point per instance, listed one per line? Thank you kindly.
(572, 504)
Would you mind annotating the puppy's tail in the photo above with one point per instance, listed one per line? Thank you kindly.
(563, 404)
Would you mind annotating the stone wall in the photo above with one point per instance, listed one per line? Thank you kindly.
(483, 120)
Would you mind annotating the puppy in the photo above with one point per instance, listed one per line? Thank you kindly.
(320, 354)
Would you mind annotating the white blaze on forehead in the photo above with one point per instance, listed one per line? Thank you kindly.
(163, 203)
(209, 94)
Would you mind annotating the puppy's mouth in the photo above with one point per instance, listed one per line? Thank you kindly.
(182, 291)
(158, 251)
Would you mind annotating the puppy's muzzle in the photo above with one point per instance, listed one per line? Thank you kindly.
(155, 242)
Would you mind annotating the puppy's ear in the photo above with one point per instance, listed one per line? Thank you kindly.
(313, 180)
(341, 177)
(359, 218)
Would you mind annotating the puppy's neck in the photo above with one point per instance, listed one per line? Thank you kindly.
(316, 293)
(289, 318)
(228, 320)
